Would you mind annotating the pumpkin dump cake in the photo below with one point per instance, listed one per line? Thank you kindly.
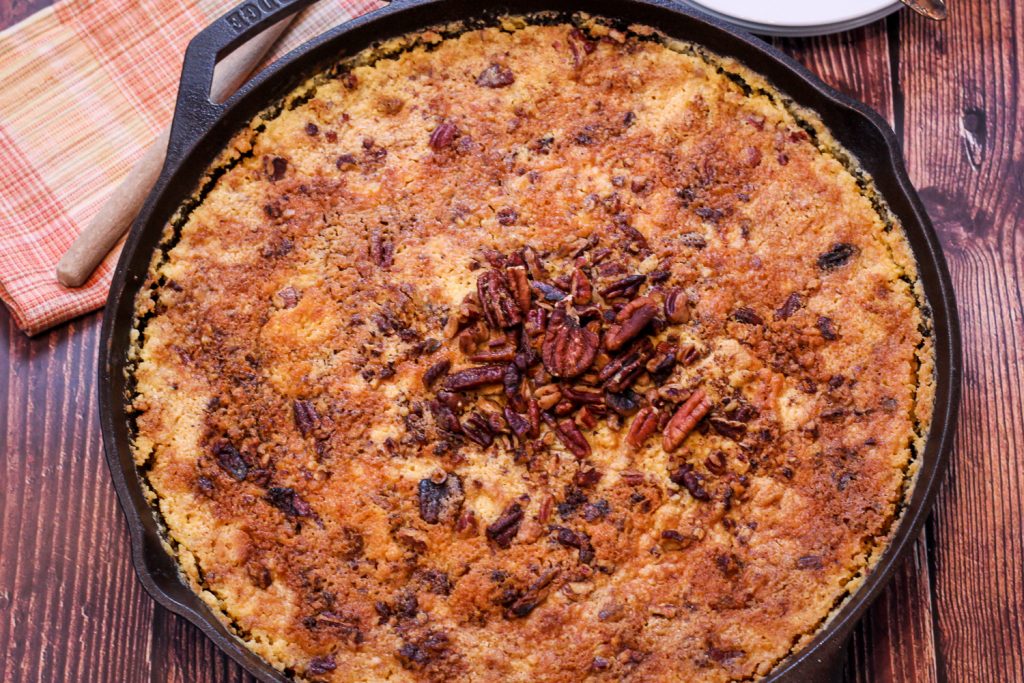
(543, 351)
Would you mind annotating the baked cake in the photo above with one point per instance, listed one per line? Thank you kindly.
(545, 351)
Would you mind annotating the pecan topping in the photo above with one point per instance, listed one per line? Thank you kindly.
(289, 502)
(520, 287)
(631, 321)
(382, 250)
(572, 438)
(684, 420)
(495, 76)
(624, 287)
(791, 305)
(305, 415)
(747, 316)
(676, 309)
(443, 136)
(534, 595)
(436, 372)
(644, 425)
(691, 481)
(470, 378)
(568, 350)
(504, 529)
(500, 309)
(836, 257)
(582, 290)
(440, 501)
(231, 461)
(827, 328)
(275, 167)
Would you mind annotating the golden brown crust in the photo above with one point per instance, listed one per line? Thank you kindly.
(285, 427)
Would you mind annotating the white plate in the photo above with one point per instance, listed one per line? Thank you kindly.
(796, 17)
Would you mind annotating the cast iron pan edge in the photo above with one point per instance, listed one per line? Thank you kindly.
(201, 129)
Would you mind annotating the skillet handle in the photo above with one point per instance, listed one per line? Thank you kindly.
(194, 112)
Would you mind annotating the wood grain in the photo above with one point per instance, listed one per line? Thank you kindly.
(964, 137)
(72, 610)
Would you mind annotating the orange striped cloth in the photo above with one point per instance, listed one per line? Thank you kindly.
(85, 86)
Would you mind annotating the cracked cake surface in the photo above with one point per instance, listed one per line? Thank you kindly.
(537, 352)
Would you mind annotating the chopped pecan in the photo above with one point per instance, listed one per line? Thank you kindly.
(305, 416)
(496, 76)
(289, 502)
(382, 250)
(731, 429)
(685, 476)
(440, 501)
(275, 167)
(684, 420)
(547, 396)
(827, 328)
(500, 309)
(534, 595)
(621, 373)
(231, 460)
(836, 257)
(504, 529)
(747, 316)
(791, 305)
(443, 136)
(549, 292)
(436, 372)
(470, 378)
(504, 354)
(568, 349)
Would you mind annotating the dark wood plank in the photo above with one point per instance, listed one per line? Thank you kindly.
(964, 133)
(895, 641)
(70, 607)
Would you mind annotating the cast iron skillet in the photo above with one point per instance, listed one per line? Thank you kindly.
(201, 129)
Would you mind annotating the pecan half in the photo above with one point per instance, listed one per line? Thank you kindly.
(581, 288)
(644, 425)
(676, 309)
(624, 287)
(519, 285)
(630, 322)
(568, 349)
(470, 378)
(684, 420)
(500, 309)
(504, 529)
(572, 438)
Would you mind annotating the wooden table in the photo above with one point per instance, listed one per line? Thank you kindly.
(72, 610)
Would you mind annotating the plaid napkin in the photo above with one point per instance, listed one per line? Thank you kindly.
(84, 88)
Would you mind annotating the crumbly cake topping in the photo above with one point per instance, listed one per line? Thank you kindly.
(532, 353)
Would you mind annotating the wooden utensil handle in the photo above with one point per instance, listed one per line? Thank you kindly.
(113, 219)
